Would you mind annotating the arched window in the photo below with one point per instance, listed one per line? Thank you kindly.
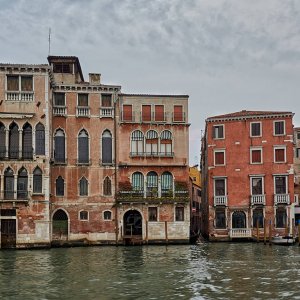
(239, 219)
(59, 146)
(83, 187)
(60, 186)
(83, 147)
(107, 186)
(138, 182)
(151, 143)
(107, 215)
(166, 183)
(166, 147)
(137, 143)
(2, 141)
(152, 184)
(106, 147)
(13, 141)
(40, 139)
(27, 141)
(37, 180)
(9, 184)
(22, 184)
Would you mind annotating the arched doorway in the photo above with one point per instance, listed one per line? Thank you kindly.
(239, 219)
(60, 225)
(133, 223)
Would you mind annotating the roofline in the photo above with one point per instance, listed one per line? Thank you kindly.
(154, 95)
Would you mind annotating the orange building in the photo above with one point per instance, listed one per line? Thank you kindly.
(247, 164)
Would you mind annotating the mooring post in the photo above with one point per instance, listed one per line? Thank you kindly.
(299, 234)
(147, 232)
(265, 232)
(270, 232)
(166, 232)
(257, 231)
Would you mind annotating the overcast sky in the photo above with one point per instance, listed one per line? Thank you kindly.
(228, 55)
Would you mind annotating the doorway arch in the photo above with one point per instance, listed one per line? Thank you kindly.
(133, 223)
(60, 225)
(239, 219)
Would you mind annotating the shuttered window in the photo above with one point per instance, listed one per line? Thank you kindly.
(106, 147)
(178, 113)
(280, 155)
(138, 181)
(127, 112)
(151, 142)
(59, 146)
(159, 113)
(146, 113)
(83, 100)
(107, 186)
(137, 143)
(83, 147)
(83, 187)
(9, 184)
(106, 101)
(60, 186)
(256, 157)
(26, 83)
(152, 184)
(219, 157)
(37, 181)
(2, 141)
(40, 139)
(166, 182)
(27, 141)
(59, 99)
(22, 184)
(166, 142)
(13, 141)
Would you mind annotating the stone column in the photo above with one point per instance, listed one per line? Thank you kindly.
(6, 142)
(15, 185)
(20, 142)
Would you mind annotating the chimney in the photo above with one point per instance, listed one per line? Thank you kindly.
(94, 78)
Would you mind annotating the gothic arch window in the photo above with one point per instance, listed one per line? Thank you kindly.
(22, 184)
(106, 147)
(107, 186)
(40, 139)
(166, 183)
(59, 146)
(2, 141)
(9, 184)
(151, 142)
(166, 147)
(137, 143)
(13, 141)
(27, 141)
(83, 187)
(37, 180)
(239, 219)
(60, 186)
(152, 184)
(138, 181)
(83, 147)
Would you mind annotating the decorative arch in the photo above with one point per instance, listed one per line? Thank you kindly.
(151, 142)
(59, 146)
(166, 143)
(22, 184)
(83, 186)
(107, 191)
(27, 151)
(239, 219)
(13, 141)
(152, 184)
(9, 183)
(37, 180)
(133, 223)
(39, 139)
(107, 147)
(83, 147)
(60, 224)
(137, 143)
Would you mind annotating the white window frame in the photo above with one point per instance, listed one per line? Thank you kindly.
(286, 182)
(218, 178)
(84, 220)
(261, 156)
(263, 183)
(184, 211)
(260, 135)
(277, 121)
(278, 148)
(157, 214)
(219, 138)
(107, 220)
(219, 151)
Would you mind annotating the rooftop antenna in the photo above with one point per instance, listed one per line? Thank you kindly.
(49, 39)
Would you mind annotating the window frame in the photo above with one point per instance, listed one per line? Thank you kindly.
(103, 215)
(286, 183)
(87, 187)
(274, 128)
(281, 208)
(261, 155)
(41, 192)
(83, 219)
(157, 215)
(132, 117)
(260, 129)
(63, 181)
(175, 212)
(88, 100)
(219, 151)
(57, 105)
(274, 152)
(225, 186)
(262, 183)
(214, 136)
(215, 223)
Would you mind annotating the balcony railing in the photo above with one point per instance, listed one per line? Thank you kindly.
(60, 111)
(151, 154)
(83, 111)
(240, 233)
(9, 195)
(220, 200)
(106, 112)
(20, 96)
(258, 200)
(281, 199)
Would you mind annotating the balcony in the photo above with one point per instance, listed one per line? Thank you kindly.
(60, 111)
(281, 199)
(220, 200)
(106, 112)
(240, 233)
(20, 96)
(258, 199)
(83, 111)
(14, 196)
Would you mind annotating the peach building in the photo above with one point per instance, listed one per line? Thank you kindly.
(247, 164)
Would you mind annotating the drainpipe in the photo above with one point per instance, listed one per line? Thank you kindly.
(116, 181)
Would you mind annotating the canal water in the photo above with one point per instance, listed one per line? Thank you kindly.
(206, 271)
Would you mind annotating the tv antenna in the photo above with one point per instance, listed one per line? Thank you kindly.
(49, 39)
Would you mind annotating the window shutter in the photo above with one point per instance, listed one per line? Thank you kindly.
(279, 155)
(12, 83)
(256, 156)
(178, 113)
(26, 83)
(146, 113)
(106, 100)
(159, 113)
(127, 112)
(219, 158)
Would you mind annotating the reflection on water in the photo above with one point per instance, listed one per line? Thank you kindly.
(206, 271)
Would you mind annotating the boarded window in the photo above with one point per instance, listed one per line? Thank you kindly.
(152, 214)
(146, 113)
(219, 187)
(137, 143)
(127, 113)
(138, 181)
(107, 215)
(178, 113)
(280, 185)
(179, 213)
(159, 113)
(2, 141)
(40, 139)
(256, 186)
(22, 184)
(279, 155)
(83, 147)
(59, 146)
(9, 184)
(83, 100)
(26, 83)
(255, 129)
(279, 127)
(83, 187)
(106, 147)
(106, 101)
(256, 156)
(13, 141)
(37, 181)
(219, 157)
(59, 99)
(12, 83)
(60, 186)
(107, 186)
(27, 151)
(84, 215)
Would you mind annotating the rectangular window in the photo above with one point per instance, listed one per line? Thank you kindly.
(178, 113)
(219, 157)
(59, 99)
(26, 83)
(152, 213)
(83, 100)
(298, 152)
(220, 187)
(62, 68)
(281, 217)
(12, 83)
(256, 129)
(279, 127)
(279, 155)
(83, 215)
(256, 156)
(280, 184)
(146, 113)
(257, 186)
(127, 112)
(298, 135)
(179, 213)
(159, 113)
(106, 101)
(258, 218)
(220, 218)
(218, 131)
